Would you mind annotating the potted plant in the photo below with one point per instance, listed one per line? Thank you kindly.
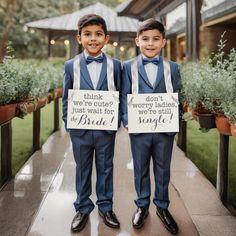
(225, 86)
(7, 94)
(26, 84)
(229, 100)
(195, 76)
(209, 86)
(56, 82)
(230, 113)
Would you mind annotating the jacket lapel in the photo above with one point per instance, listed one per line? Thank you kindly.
(160, 73)
(84, 71)
(103, 73)
(142, 71)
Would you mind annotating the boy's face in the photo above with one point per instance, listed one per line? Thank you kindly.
(93, 39)
(150, 42)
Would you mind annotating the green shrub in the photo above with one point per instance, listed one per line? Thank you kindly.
(32, 79)
(8, 86)
(211, 83)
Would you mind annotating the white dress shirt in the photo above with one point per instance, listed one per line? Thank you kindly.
(151, 70)
(94, 69)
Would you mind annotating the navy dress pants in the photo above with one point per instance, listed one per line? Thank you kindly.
(157, 146)
(98, 144)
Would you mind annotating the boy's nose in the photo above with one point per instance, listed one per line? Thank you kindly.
(150, 41)
(93, 37)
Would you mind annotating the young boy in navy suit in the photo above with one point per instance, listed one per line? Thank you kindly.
(150, 79)
(88, 71)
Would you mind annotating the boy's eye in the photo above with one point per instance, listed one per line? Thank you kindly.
(152, 39)
(99, 33)
(86, 34)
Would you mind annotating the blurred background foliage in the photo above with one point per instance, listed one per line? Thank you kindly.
(14, 14)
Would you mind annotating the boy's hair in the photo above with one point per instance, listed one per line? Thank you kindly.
(151, 24)
(91, 19)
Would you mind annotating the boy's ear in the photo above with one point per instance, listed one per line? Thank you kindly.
(164, 43)
(78, 37)
(107, 38)
(137, 41)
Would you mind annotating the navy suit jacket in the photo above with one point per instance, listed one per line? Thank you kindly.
(144, 84)
(86, 84)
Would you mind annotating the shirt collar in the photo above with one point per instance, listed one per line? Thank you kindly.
(86, 54)
(151, 57)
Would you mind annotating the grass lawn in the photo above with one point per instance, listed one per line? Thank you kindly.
(202, 149)
(22, 134)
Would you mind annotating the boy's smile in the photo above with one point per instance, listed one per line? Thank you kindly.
(93, 39)
(150, 43)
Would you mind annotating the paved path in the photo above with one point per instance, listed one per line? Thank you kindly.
(39, 201)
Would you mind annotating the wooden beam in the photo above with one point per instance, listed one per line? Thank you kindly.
(188, 30)
(182, 136)
(56, 114)
(36, 130)
(219, 20)
(49, 43)
(181, 35)
(163, 10)
(193, 22)
(222, 168)
(6, 152)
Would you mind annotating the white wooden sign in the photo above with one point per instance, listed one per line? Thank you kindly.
(92, 109)
(153, 113)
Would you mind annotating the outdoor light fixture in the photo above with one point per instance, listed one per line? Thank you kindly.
(52, 41)
(122, 49)
(115, 44)
(66, 42)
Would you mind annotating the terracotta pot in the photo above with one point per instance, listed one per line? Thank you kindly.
(41, 103)
(206, 121)
(30, 107)
(27, 106)
(185, 107)
(222, 124)
(7, 112)
(201, 109)
(233, 129)
(58, 92)
(195, 115)
(50, 97)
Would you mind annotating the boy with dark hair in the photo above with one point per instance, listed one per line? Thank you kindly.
(89, 71)
(151, 68)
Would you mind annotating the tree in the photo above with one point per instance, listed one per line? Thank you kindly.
(14, 14)
(32, 43)
(8, 11)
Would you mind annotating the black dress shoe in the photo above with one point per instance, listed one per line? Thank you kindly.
(79, 222)
(167, 220)
(139, 217)
(110, 219)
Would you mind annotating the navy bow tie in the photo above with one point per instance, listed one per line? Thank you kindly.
(90, 59)
(153, 60)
